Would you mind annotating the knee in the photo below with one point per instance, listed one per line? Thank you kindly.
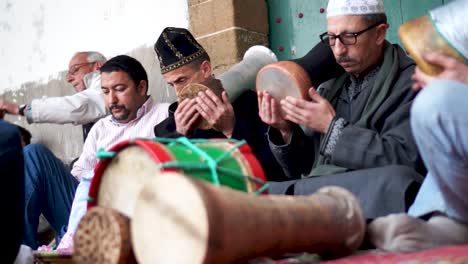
(434, 101)
(9, 134)
(403, 172)
(35, 150)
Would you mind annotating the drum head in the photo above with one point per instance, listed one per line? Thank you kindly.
(124, 177)
(284, 78)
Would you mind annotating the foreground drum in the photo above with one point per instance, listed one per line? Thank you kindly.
(211, 224)
(103, 236)
(128, 166)
(52, 257)
(284, 78)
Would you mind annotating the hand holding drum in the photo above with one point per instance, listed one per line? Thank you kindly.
(191, 91)
(443, 31)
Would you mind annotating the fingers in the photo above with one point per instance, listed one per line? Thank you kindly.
(292, 102)
(186, 103)
(259, 99)
(208, 101)
(185, 111)
(420, 79)
(315, 96)
(440, 59)
(296, 115)
(265, 105)
(204, 113)
(192, 120)
(225, 97)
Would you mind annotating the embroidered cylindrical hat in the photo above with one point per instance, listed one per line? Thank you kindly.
(354, 7)
(177, 47)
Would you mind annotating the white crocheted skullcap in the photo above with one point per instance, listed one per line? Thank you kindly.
(449, 21)
(354, 7)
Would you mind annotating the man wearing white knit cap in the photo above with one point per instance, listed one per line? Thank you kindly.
(357, 126)
(440, 124)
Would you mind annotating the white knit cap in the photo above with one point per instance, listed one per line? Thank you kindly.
(354, 7)
(449, 21)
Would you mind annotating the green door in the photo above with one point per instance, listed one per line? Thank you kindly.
(295, 25)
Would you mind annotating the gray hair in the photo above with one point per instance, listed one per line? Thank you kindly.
(92, 56)
(372, 19)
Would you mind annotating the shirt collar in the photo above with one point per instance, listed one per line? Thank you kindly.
(92, 77)
(143, 110)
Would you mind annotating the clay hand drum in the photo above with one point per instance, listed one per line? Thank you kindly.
(191, 91)
(444, 30)
(284, 78)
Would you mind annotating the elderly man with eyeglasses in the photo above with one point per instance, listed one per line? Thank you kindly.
(355, 131)
(82, 108)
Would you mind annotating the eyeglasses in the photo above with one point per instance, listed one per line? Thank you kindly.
(345, 38)
(76, 67)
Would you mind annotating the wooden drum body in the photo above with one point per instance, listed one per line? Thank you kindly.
(130, 164)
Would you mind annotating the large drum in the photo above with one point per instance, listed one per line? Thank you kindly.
(127, 167)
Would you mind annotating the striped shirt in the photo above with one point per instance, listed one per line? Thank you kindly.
(108, 132)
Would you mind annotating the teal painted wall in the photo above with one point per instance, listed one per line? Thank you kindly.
(295, 25)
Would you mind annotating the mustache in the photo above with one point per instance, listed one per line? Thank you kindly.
(115, 106)
(344, 59)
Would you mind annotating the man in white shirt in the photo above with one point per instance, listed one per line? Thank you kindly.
(82, 108)
(50, 188)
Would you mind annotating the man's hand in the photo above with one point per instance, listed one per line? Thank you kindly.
(316, 114)
(452, 70)
(9, 107)
(218, 112)
(270, 113)
(185, 116)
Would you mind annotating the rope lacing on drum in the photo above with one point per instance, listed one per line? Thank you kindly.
(211, 164)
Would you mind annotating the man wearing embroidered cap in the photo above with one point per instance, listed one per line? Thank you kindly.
(184, 61)
(357, 125)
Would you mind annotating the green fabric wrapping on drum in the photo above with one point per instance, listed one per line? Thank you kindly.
(223, 168)
(103, 154)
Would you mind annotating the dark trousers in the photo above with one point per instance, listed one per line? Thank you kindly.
(11, 196)
(381, 191)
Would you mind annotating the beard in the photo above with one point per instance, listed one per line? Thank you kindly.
(123, 114)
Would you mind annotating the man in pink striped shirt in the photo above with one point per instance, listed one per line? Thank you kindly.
(51, 187)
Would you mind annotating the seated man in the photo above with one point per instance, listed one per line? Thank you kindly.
(50, 188)
(183, 61)
(11, 166)
(357, 126)
(82, 108)
(439, 215)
